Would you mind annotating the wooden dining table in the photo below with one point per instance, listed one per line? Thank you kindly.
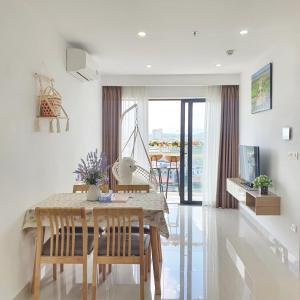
(154, 206)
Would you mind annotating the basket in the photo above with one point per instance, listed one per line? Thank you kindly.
(50, 103)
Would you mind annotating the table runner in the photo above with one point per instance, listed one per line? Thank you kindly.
(153, 204)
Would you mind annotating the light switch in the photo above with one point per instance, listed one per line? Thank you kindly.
(293, 155)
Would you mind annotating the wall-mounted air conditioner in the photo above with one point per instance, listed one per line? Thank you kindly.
(81, 65)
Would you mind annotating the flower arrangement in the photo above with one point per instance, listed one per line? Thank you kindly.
(263, 182)
(93, 170)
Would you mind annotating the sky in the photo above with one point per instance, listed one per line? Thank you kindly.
(166, 115)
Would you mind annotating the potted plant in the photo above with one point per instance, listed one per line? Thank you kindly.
(263, 182)
(93, 172)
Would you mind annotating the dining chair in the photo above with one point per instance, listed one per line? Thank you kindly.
(83, 188)
(63, 246)
(173, 164)
(138, 188)
(154, 158)
(132, 188)
(120, 245)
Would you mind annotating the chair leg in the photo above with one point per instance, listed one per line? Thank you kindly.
(61, 268)
(84, 280)
(161, 189)
(109, 268)
(142, 274)
(167, 187)
(94, 280)
(145, 268)
(103, 272)
(100, 269)
(178, 180)
(54, 272)
(149, 260)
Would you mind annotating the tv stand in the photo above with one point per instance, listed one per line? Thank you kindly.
(259, 204)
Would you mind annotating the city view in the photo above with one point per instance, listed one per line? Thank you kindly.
(165, 141)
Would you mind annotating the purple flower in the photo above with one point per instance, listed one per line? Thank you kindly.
(93, 170)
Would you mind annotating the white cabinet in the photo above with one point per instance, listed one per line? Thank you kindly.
(233, 187)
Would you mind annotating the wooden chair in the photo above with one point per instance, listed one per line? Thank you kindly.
(83, 188)
(174, 161)
(64, 246)
(132, 188)
(120, 245)
(154, 158)
(136, 188)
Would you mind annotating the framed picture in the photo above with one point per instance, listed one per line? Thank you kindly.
(261, 89)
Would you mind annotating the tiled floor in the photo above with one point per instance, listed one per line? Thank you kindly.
(211, 254)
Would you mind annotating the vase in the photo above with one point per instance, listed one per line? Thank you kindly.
(264, 190)
(93, 193)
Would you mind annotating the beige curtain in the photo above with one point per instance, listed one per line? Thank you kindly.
(229, 142)
(111, 113)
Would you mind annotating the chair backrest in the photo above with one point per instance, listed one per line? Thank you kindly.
(81, 188)
(133, 188)
(61, 222)
(118, 223)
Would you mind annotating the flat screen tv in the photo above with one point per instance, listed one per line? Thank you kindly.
(249, 163)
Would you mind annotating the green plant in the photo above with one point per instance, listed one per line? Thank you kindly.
(262, 181)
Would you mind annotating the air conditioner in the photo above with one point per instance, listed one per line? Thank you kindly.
(81, 65)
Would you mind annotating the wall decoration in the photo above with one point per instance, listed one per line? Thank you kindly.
(49, 104)
(261, 89)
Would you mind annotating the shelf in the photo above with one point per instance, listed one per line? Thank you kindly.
(49, 118)
(253, 199)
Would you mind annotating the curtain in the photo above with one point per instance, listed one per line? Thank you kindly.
(229, 141)
(131, 96)
(212, 141)
(111, 113)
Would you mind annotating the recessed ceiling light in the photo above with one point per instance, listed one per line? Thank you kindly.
(244, 32)
(218, 65)
(142, 34)
(148, 66)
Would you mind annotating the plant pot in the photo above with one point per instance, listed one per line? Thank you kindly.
(264, 190)
(93, 193)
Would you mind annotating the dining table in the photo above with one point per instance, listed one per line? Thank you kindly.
(154, 207)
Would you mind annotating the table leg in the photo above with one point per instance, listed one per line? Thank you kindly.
(155, 259)
(33, 271)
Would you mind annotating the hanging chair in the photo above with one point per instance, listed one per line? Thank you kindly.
(135, 174)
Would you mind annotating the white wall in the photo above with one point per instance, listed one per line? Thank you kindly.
(171, 80)
(176, 92)
(35, 164)
(264, 129)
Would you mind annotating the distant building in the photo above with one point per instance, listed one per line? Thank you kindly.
(157, 134)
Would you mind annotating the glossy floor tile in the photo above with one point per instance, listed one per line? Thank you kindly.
(211, 254)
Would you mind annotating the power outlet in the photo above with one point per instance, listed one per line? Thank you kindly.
(293, 155)
(294, 228)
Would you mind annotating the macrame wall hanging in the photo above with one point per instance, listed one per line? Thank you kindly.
(50, 104)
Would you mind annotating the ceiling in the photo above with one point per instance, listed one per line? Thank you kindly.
(108, 30)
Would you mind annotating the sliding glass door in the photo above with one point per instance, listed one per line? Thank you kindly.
(192, 151)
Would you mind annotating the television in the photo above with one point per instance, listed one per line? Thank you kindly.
(248, 164)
